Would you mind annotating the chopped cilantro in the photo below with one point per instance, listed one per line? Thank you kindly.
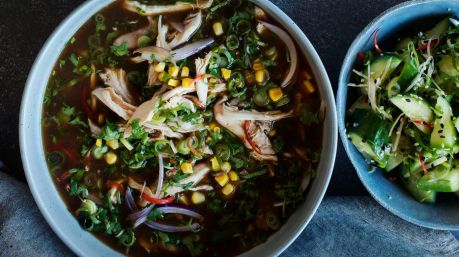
(121, 50)
(110, 132)
(307, 117)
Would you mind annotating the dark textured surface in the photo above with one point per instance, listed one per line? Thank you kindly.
(25, 25)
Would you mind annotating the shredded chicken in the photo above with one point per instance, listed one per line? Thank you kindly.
(132, 38)
(190, 25)
(202, 85)
(152, 10)
(200, 172)
(162, 33)
(145, 111)
(113, 101)
(116, 79)
(164, 129)
(152, 76)
(95, 130)
(254, 135)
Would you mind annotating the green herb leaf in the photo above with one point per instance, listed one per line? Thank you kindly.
(121, 50)
(110, 132)
(307, 117)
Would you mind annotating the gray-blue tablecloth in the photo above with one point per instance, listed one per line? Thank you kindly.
(342, 226)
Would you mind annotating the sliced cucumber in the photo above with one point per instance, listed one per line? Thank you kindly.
(415, 108)
(393, 88)
(360, 103)
(440, 179)
(439, 30)
(378, 65)
(444, 133)
(456, 123)
(446, 65)
(408, 73)
(423, 196)
(394, 160)
(403, 150)
(370, 134)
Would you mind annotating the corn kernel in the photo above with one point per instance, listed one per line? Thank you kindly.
(198, 198)
(110, 158)
(233, 176)
(173, 70)
(100, 119)
(113, 144)
(275, 94)
(260, 76)
(309, 86)
(226, 167)
(215, 164)
(257, 65)
(218, 28)
(186, 168)
(228, 189)
(161, 75)
(183, 199)
(222, 180)
(173, 82)
(159, 67)
(187, 82)
(99, 142)
(213, 125)
(226, 73)
(185, 72)
(272, 133)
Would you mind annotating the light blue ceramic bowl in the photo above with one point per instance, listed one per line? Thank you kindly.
(445, 213)
(53, 207)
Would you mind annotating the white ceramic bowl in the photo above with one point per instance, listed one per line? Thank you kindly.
(53, 207)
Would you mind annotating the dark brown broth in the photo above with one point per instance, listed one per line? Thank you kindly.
(71, 138)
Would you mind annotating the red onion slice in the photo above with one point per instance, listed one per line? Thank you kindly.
(179, 210)
(195, 227)
(285, 37)
(191, 49)
(159, 187)
(141, 216)
(130, 200)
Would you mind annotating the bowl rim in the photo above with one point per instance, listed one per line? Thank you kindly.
(28, 128)
(347, 65)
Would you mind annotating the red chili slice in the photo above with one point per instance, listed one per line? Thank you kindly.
(419, 122)
(362, 56)
(375, 41)
(196, 101)
(116, 184)
(422, 163)
(426, 45)
(63, 176)
(158, 201)
(246, 126)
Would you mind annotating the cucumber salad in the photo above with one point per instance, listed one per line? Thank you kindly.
(406, 117)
